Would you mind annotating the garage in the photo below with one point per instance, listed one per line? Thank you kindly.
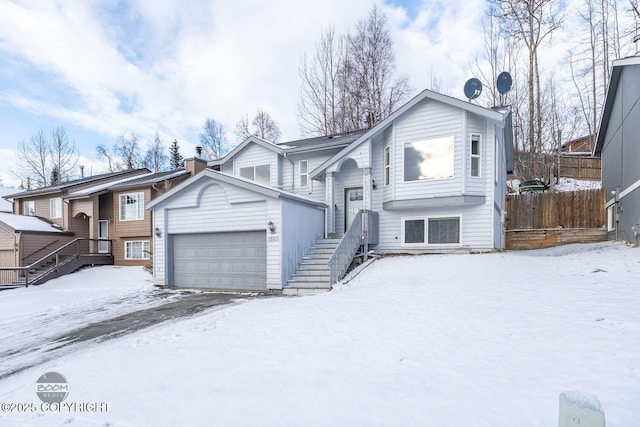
(229, 260)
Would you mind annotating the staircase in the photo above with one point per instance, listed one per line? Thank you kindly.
(313, 275)
(64, 260)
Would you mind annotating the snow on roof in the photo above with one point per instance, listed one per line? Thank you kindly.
(28, 223)
(5, 205)
(103, 186)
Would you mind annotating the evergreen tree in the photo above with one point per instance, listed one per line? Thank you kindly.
(176, 160)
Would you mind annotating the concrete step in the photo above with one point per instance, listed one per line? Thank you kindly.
(313, 267)
(310, 278)
(311, 272)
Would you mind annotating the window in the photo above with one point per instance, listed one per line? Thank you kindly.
(475, 155)
(132, 206)
(432, 231)
(304, 173)
(387, 165)
(444, 230)
(428, 159)
(136, 249)
(29, 208)
(55, 208)
(260, 174)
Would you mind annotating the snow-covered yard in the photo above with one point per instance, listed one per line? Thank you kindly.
(482, 340)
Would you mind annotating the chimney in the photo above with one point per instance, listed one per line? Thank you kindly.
(636, 40)
(81, 171)
(195, 165)
(199, 151)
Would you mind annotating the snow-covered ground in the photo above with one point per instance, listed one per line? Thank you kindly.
(31, 317)
(440, 340)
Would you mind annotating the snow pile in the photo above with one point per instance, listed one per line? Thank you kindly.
(570, 184)
(441, 340)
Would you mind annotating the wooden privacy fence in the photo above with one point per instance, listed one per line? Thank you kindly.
(586, 168)
(572, 209)
(541, 220)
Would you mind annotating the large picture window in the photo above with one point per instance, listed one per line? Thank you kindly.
(429, 159)
(136, 249)
(55, 207)
(432, 231)
(260, 174)
(132, 206)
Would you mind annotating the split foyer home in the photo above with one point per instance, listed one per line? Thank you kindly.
(618, 145)
(290, 217)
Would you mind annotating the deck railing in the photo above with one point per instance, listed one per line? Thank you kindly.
(27, 275)
(362, 231)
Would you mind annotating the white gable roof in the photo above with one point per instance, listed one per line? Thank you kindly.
(491, 115)
(233, 180)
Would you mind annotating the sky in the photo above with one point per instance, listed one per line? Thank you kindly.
(105, 68)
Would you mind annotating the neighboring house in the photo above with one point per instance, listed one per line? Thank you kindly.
(618, 145)
(429, 178)
(582, 146)
(108, 207)
(25, 239)
(6, 205)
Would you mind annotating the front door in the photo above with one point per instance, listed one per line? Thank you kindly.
(353, 203)
(103, 234)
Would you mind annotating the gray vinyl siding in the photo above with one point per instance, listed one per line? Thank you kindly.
(255, 155)
(473, 185)
(621, 153)
(302, 225)
(291, 174)
(428, 120)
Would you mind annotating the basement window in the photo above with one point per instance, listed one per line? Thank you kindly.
(431, 231)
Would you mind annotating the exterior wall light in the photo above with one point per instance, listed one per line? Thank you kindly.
(272, 227)
(157, 232)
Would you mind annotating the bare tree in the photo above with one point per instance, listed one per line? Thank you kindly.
(370, 65)
(123, 155)
(242, 130)
(262, 126)
(213, 140)
(531, 22)
(43, 161)
(63, 153)
(319, 104)
(265, 127)
(155, 157)
(349, 83)
(32, 162)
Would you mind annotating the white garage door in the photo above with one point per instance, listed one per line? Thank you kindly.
(230, 261)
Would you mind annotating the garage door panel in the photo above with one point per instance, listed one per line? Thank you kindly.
(234, 261)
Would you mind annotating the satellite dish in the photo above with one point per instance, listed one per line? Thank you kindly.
(504, 82)
(472, 88)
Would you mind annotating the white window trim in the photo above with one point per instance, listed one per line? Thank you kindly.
(26, 208)
(475, 156)
(426, 231)
(300, 174)
(145, 254)
(51, 207)
(386, 170)
(138, 209)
